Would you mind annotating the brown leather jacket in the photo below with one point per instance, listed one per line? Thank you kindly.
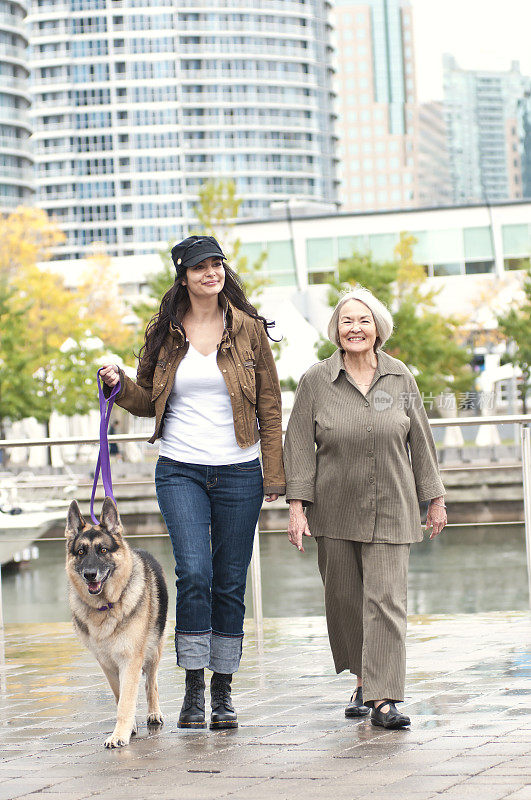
(246, 362)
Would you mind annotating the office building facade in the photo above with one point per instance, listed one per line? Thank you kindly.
(16, 177)
(485, 135)
(138, 102)
(377, 116)
(434, 182)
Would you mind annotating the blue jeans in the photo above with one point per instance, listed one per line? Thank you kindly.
(211, 515)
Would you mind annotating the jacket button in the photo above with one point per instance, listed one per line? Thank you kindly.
(224, 370)
(369, 428)
(232, 394)
(366, 404)
(371, 479)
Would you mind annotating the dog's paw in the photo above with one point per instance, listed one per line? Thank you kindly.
(116, 740)
(155, 718)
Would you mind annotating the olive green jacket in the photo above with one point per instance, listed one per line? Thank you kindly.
(361, 464)
(247, 365)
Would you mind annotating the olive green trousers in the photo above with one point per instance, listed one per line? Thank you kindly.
(365, 585)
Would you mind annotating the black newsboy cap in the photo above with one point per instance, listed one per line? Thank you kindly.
(194, 249)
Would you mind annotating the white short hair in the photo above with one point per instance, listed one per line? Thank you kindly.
(382, 317)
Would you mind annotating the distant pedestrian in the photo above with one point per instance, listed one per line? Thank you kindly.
(207, 374)
(360, 458)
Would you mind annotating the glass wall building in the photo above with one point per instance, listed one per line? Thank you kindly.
(16, 177)
(138, 102)
(377, 116)
(485, 134)
(455, 241)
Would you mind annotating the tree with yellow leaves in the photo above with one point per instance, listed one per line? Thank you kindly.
(106, 309)
(48, 361)
(27, 236)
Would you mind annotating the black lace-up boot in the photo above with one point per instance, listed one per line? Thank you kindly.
(223, 714)
(193, 711)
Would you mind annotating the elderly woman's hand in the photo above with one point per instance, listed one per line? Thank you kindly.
(436, 517)
(298, 524)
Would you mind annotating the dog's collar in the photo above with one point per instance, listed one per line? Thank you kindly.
(105, 608)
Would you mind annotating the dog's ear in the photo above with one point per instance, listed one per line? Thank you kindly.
(74, 521)
(110, 518)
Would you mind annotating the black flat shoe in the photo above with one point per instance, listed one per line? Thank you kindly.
(193, 710)
(356, 708)
(389, 719)
(223, 714)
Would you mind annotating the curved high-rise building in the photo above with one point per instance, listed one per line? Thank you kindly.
(16, 176)
(138, 102)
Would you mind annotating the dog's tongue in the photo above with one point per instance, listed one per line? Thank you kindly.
(94, 587)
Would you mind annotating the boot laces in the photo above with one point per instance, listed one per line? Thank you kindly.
(221, 695)
(194, 690)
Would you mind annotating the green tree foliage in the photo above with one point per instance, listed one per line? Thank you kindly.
(423, 339)
(38, 315)
(516, 326)
(63, 356)
(17, 384)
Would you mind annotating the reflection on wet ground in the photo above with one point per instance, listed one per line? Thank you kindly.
(465, 570)
(467, 693)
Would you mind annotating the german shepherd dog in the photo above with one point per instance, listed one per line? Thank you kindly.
(119, 603)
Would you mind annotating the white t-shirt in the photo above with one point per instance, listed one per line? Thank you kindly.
(199, 424)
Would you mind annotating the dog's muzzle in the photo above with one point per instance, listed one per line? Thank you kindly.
(94, 580)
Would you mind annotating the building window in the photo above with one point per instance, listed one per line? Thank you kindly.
(348, 246)
(478, 244)
(440, 270)
(477, 267)
(516, 240)
(517, 263)
(320, 254)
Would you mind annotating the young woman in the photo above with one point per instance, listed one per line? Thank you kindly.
(207, 375)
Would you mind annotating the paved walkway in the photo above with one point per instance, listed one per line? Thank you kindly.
(469, 697)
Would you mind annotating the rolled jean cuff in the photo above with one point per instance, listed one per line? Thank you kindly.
(225, 653)
(192, 650)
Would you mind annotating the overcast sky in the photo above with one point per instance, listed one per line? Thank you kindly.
(481, 34)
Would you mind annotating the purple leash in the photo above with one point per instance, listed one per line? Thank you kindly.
(104, 460)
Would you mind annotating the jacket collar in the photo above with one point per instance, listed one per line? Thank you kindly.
(233, 324)
(387, 365)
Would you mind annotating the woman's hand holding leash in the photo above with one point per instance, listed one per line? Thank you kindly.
(109, 374)
(298, 524)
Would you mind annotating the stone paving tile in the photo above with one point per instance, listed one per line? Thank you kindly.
(521, 794)
(471, 736)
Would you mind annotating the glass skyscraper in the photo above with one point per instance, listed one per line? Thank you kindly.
(485, 136)
(16, 178)
(138, 102)
(378, 122)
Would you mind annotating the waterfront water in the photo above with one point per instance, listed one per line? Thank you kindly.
(466, 570)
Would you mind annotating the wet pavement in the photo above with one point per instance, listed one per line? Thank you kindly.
(468, 693)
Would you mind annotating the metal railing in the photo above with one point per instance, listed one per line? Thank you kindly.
(524, 420)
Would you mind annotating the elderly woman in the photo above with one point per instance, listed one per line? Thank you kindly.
(359, 455)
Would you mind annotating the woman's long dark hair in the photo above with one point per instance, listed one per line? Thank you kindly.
(173, 308)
